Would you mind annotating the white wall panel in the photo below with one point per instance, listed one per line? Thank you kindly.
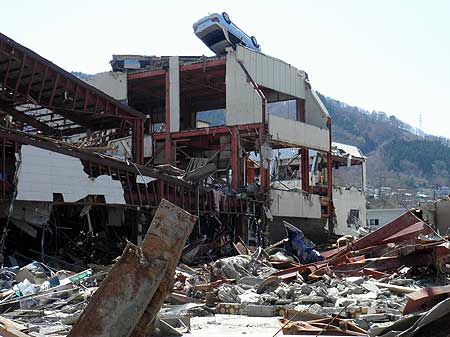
(295, 204)
(42, 173)
(174, 77)
(315, 112)
(112, 83)
(298, 133)
(243, 104)
(345, 200)
(272, 73)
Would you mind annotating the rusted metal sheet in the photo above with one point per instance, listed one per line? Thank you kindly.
(425, 297)
(116, 306)
(137, 280)
(321, 326)
(178, 236)
(404, 221)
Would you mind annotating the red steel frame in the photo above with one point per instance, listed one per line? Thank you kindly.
(31, 79)
(260, 129)
(136, 195)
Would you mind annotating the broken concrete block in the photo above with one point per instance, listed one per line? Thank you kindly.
(315, 309)
(369, 286)
(271, 282)
(260, 310)
(306, 289)
(251, 297)
(375, 317)
(333, 292)
(306, 299)
(250, 281)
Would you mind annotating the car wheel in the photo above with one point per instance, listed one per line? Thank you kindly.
(226, 17)
(255, 42)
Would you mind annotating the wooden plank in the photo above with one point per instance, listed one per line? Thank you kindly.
(10, 328)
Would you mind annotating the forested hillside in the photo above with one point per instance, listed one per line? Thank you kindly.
(398, 155)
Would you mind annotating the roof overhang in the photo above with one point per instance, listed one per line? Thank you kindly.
(43, 97)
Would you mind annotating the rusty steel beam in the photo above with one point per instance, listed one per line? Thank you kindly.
(175, 216)
(425, 297)
(404, 221)
(136, 285)
(115, 307)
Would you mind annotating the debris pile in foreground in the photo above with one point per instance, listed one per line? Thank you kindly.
(391, 282)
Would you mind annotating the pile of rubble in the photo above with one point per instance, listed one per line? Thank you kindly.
(398, 271)
(42, 302)
(391, 282)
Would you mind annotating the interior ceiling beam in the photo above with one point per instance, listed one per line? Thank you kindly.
(24, 118)
(26, 74)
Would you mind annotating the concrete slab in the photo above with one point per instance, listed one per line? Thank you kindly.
(233, 325)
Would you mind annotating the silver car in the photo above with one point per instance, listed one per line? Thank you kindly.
(218, 32)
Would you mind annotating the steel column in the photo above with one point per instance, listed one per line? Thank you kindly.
(138, 141)
(168, 144)
(304, 159)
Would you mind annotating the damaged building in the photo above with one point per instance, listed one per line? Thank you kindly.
(176, 187)
(93, 157)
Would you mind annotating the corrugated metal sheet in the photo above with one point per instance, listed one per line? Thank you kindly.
(243, 105)
(298, 134)
(272, 73)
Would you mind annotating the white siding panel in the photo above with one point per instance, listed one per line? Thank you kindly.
(345, 200)
(298, 134)
(112, 83)
(174, 76)
(243, 104)
(315, 112)
(262, 68)
(43, 173)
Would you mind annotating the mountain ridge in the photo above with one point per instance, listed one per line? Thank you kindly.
(398, 155)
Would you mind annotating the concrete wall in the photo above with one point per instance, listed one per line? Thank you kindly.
(298, 133)
(112, 83)
(438, 214)
(243, 104)
(428, 211)
(345, 200)
(384, 215)
(295, 204)
(273, 73)
(443, 216)
(174, 77)
(315, 112)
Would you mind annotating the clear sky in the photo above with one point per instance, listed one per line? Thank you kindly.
(385, 55)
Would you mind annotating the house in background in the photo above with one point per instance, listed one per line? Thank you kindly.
(378, 217)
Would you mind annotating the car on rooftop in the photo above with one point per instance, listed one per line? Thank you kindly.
(218, 33)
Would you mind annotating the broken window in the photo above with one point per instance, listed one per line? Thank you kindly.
(289, 172)
(209, 118)
(374, 222)
(353, 218)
